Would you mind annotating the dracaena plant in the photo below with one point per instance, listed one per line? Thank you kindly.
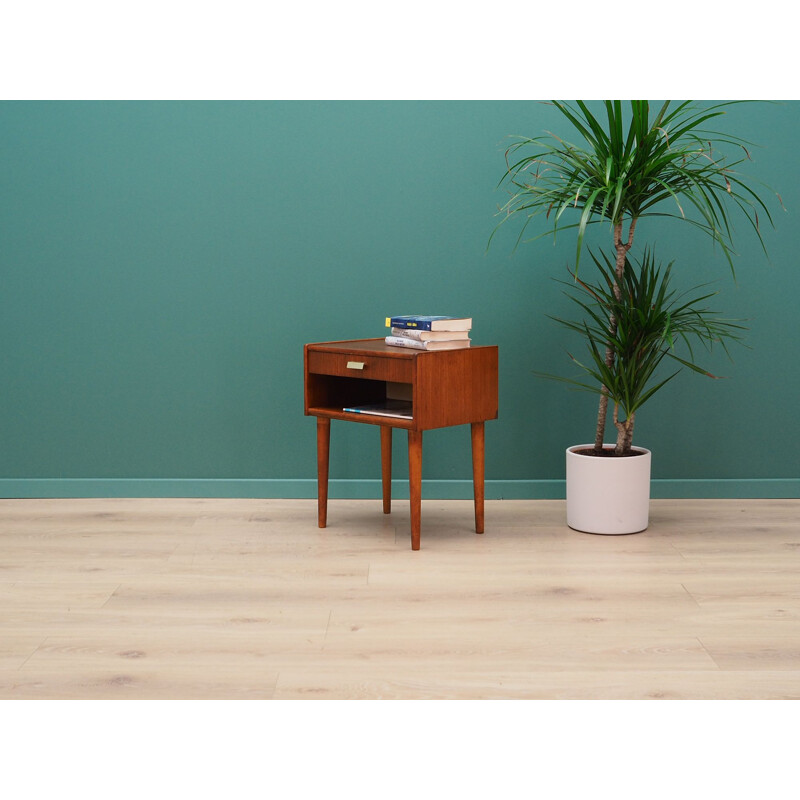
(626, 164)
(654, 323)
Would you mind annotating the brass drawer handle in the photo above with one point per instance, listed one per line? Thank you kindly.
(356, 365)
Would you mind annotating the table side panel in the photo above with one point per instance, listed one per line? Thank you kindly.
(455, 387)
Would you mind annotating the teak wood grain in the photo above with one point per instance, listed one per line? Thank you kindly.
(448, 387)
(377, 368)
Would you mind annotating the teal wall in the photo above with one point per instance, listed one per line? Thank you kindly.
(164, 262)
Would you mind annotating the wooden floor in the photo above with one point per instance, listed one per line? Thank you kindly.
(194, 598)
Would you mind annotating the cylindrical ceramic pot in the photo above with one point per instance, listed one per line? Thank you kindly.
(606, 494)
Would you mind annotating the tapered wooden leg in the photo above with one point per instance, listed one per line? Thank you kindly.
(478, 460)
(386, 467)
(415, 483)
(323, 450)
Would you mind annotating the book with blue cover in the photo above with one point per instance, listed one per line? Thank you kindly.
(430, 323)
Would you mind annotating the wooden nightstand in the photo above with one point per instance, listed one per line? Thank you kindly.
(445, 387)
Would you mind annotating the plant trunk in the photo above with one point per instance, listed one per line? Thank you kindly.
(622, 253)
(624, 433)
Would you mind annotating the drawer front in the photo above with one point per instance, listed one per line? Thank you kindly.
(350, 365)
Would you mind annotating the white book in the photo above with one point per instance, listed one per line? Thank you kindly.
(429, 336)
(401, 341)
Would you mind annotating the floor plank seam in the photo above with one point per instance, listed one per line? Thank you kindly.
(694, 599)
(709, 654)
(678, 551)
(33, 652)
(110, 596)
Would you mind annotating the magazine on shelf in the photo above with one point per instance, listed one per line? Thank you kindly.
(385, 408)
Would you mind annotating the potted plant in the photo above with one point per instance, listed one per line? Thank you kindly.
(652, 323)
(627, 167)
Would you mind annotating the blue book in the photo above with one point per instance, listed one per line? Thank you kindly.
(430, 323)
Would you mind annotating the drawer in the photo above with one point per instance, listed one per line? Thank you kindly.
(376, 368)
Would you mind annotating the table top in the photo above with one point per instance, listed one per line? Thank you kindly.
(379, 347)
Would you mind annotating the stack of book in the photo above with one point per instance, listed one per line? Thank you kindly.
(429, 333)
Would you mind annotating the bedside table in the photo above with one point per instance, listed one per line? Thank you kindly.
(440, 387)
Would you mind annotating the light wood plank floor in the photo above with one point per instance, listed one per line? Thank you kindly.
(196, 598)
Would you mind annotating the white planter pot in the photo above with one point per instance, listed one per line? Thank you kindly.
(608, 495)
